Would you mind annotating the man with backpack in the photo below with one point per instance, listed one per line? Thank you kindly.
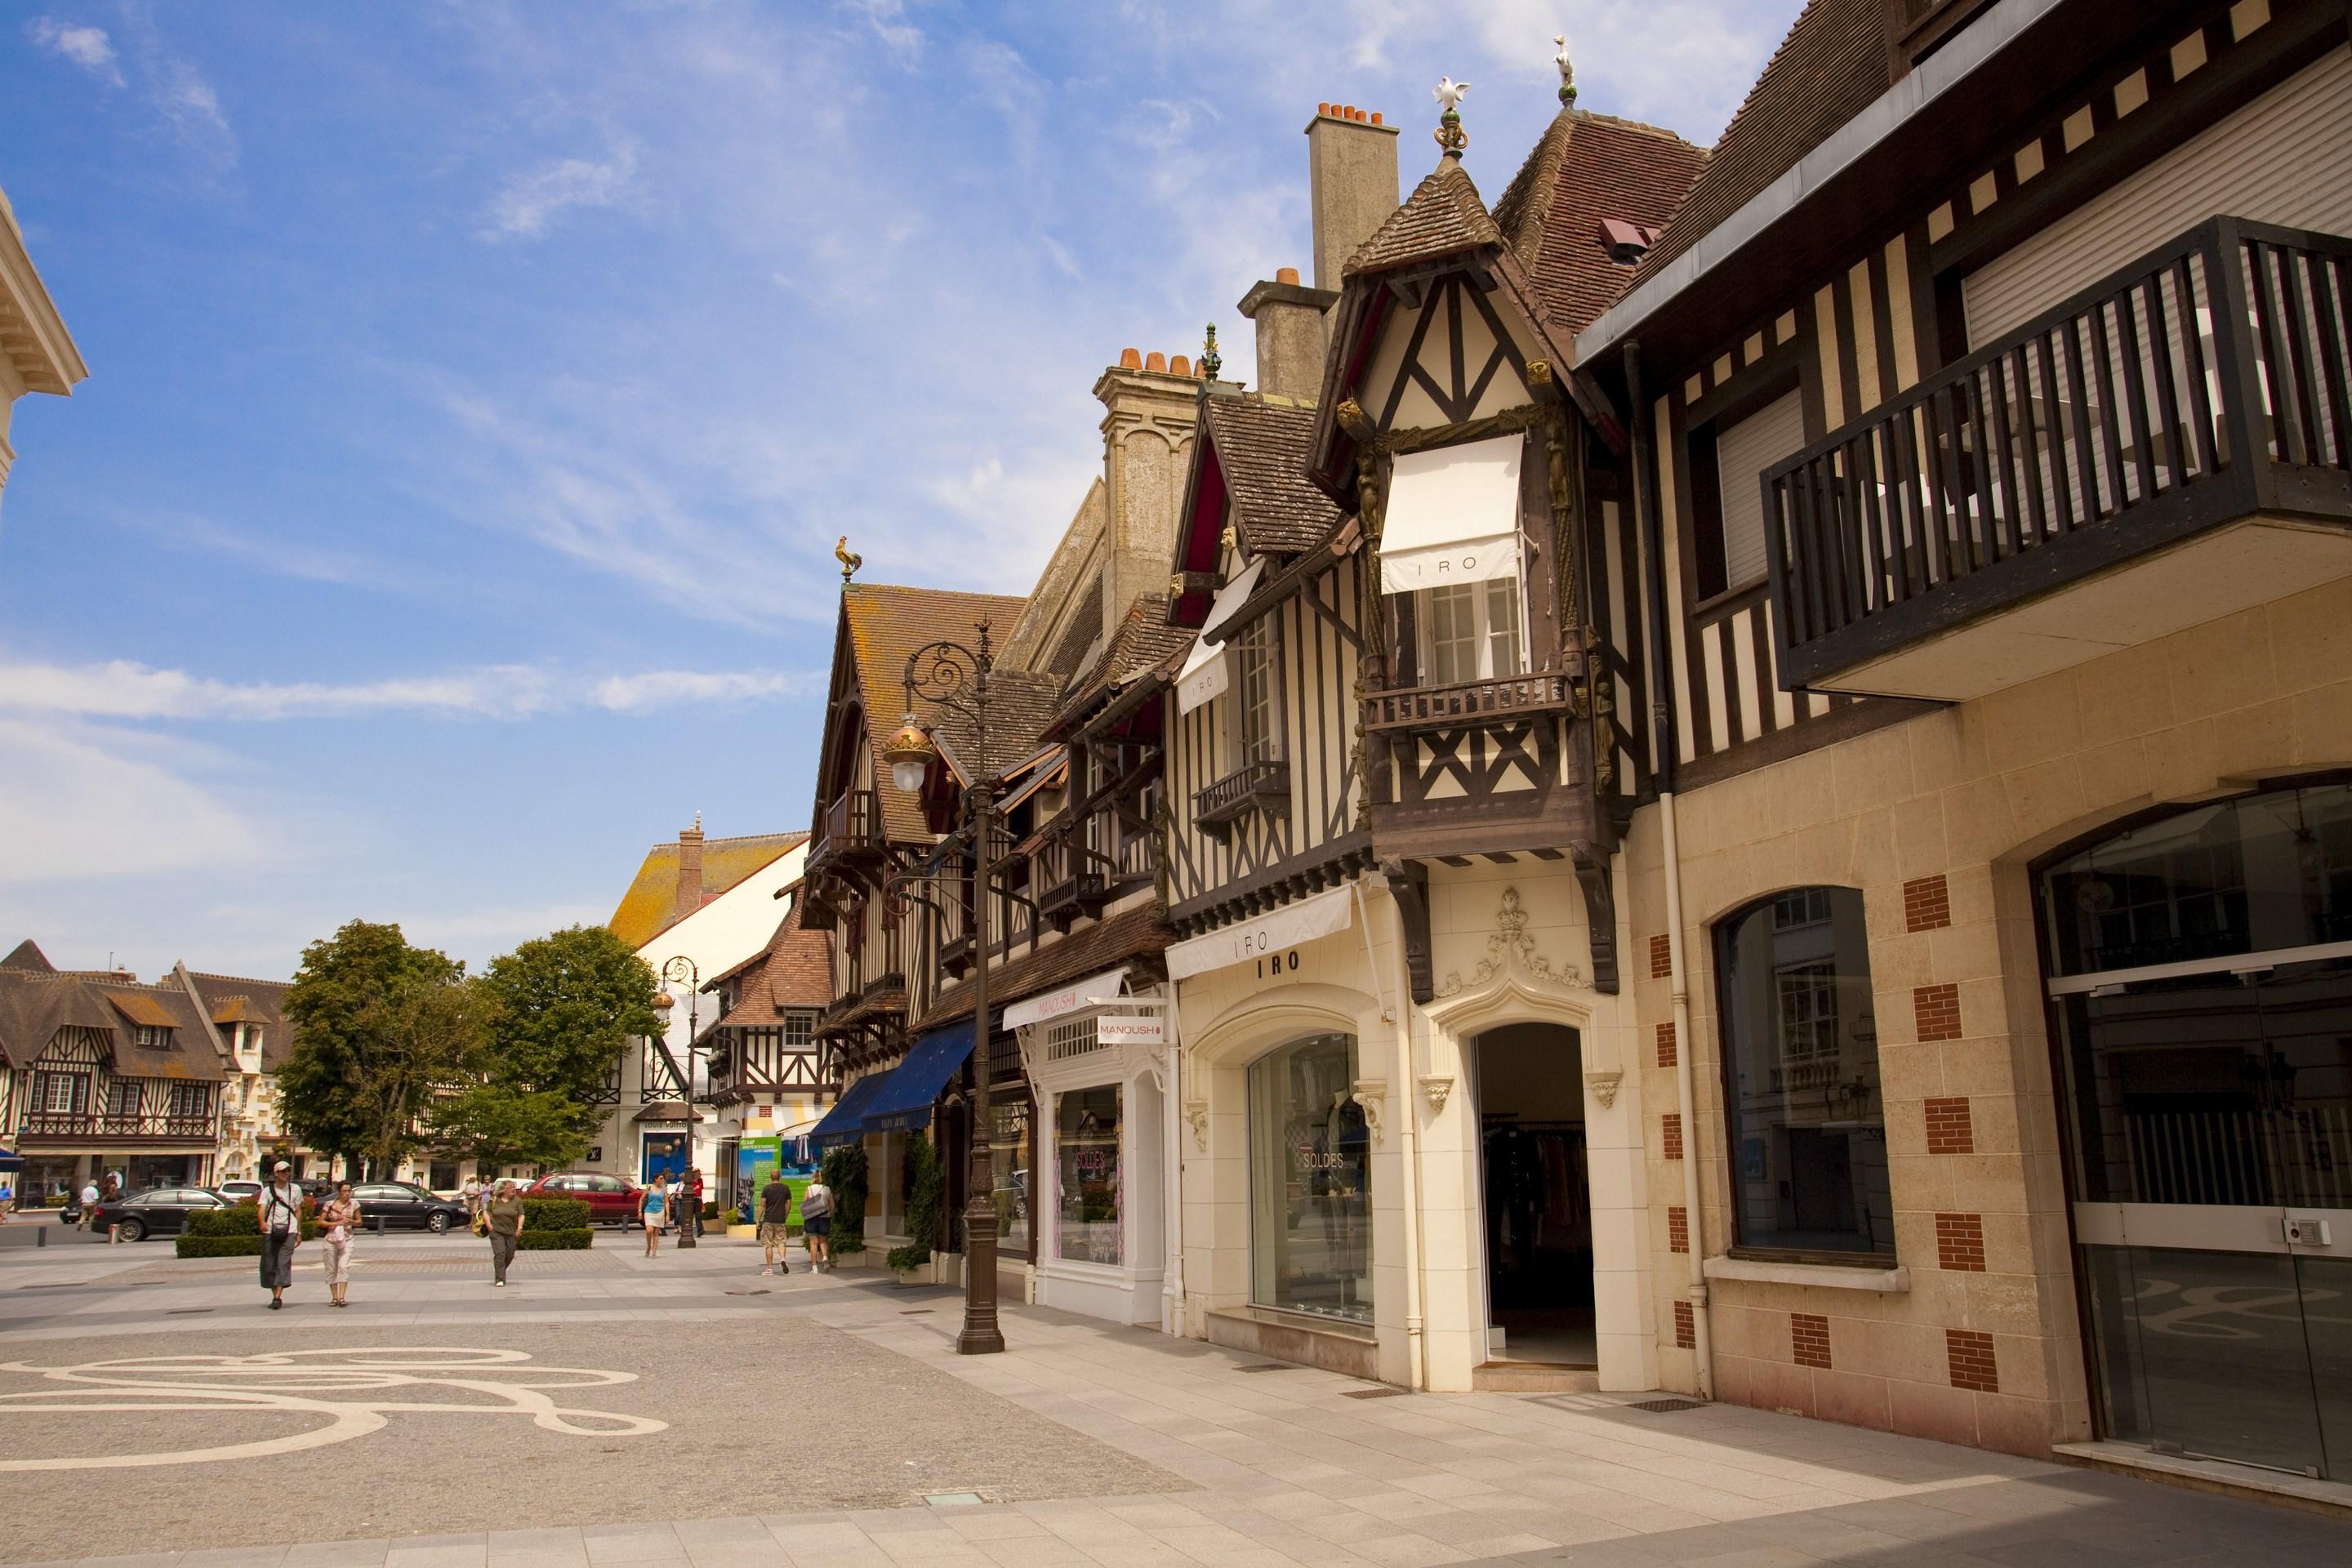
(281, 1232)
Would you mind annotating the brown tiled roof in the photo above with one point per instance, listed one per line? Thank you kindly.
(1830, 66)
(1135, 933)
(28, 955)
(234, 999)
(1143, 643)
(1262, 443)
(34, 1006)
(1443, 215)
(793, 971)
(885, 623)
(647, 909)
(1585, 168)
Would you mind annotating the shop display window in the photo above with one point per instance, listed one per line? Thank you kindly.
(1086, 1164)
(1311, 1182)
(1008, 1159)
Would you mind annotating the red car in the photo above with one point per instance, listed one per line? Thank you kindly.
(611, 1200)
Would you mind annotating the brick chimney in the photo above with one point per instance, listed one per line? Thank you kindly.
(1351, 170)
(689, 870)
(1150, 414)
(1291, 338)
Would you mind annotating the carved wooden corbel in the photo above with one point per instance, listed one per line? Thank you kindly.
(1601, 914)
(1408, 883)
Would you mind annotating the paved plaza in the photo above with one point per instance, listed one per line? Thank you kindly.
(686, 1410)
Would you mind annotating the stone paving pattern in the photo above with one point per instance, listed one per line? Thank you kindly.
(1275, 1469)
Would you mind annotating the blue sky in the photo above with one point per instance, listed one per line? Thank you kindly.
(476, 391)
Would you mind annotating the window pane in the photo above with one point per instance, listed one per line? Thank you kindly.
(1503, 627)
(1085, 1158)
(1310, 1180)
(1800, 1041)
(1451, 615)
(1008, 1150)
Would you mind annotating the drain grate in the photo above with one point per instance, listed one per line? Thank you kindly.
(1271, 1366)
(1666, 1406)
(185, 1312)
(760, 1291)
(914, 1311)
(1383, 1393)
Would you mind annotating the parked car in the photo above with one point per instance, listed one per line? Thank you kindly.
(241, 1192)
(159, 1211)
(399, 1206)
(611, 1200)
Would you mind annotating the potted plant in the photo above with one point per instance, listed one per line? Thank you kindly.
(910, 1262)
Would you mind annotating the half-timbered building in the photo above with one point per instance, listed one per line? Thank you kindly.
(769, 1075)
(1984, 473)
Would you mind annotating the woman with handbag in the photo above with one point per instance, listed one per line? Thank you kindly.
(342, 1215)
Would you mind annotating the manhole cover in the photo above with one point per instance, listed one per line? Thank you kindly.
(1270, 1366)
(1374, 1393)
(1666, 1406)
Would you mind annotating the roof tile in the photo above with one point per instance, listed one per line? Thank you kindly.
(1587, 169)
(1263, 444)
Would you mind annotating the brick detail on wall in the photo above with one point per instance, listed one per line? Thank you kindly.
(1937, 1010)
(1968, 1353)
(1926, 904)
(1686, 1327)
(1678, 1229)
(1951, 1130)
(1809, 1338)
(1670, 1125)
(1661, 958)
(1667, 1044)
(1959, 1242)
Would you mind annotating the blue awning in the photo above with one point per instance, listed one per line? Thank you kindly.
(913, 1085)
(10, 1161)
(846, 1123)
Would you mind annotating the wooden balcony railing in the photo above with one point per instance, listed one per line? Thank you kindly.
(123, 1126)
(1417, 707)
(2205, 382)
(1241, 791)
(852, 825)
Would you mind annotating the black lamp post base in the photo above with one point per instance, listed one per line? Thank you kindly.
(980, 1335)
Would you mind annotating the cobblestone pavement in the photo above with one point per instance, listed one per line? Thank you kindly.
(827, 1420)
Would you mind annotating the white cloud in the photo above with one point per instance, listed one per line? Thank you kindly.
(524, 208)
(80, 801)
(122, 691)
(88, 47)
(888, 21)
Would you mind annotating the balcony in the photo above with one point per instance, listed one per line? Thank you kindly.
(2166, 449)
(48, 1127)
(850, 831)
(1481, 767)
(955, 955)
(1241, 791)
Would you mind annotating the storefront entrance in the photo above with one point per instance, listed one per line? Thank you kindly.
(1538, 1204)
(2200, 985)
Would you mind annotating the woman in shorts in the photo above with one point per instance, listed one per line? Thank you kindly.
(816, 1223)
(652, 1203)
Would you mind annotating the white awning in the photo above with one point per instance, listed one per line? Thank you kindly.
(1452, 516)
(1206, 670)
(1271, 934)
(1063, 999)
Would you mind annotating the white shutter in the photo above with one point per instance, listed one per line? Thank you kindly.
(1742, 453)
(2286, 158)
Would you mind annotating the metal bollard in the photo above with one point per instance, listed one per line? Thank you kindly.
(41, 1235)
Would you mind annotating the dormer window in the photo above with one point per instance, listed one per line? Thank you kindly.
(151, 1038)
(1625, 241)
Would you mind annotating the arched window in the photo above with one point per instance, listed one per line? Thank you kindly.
(1802, 1110)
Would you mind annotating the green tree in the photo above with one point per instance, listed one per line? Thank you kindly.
(559, 1012)
(379, 1026)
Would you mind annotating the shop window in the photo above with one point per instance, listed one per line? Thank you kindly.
(1086, 1161)
(1008, 1159)
(1311, 1182)
(1803, 1111)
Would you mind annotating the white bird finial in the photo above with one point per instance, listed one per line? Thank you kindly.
(1450, 93)
(1567, 70)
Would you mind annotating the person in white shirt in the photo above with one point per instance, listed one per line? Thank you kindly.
(88, 1202)
(281, 1232)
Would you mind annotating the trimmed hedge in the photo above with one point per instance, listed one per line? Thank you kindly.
(554, 1213)
(193, 1246)
(244, 1220)
(575, 1240)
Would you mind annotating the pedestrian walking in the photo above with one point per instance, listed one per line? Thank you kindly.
(281, 1232)
(504, 1215)
(88, 1202)
(652, 1201)
(691, 1215)
(775, 1214)
(816, 1223)
(342, 1215)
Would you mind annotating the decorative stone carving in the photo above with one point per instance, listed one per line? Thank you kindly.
(1509, 951)
(1436, 1090)
(1603, 1086)
(1372, 1094)
(1196, 1116)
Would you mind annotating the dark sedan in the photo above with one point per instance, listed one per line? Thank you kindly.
(396, 1205)
(159, 1211)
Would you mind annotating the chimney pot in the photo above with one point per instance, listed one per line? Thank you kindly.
(1349, 113)
(1129, 359)
(1322, 109)
(1180, 365)
(1375, 117)
(1285, 275)
(1155, 360)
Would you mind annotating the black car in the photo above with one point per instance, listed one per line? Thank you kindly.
(159, 1211)
(396, 1205)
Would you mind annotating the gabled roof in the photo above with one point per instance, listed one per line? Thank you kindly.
(235, 999)
(1830, 66)
(650, 905)
(1444, 216)
(33, 338)
(881, 624)
(795, 971)
(34, 1006)
(1262, 441)
(1586, 169)
(28, 956)
(1146, 645)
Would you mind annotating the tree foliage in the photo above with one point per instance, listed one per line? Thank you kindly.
(379, 1025)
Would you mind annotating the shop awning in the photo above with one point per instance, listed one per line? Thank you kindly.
(1207, 668)
(1267, 936)
(1064, 999)
(846, 1123)
(1452, 516)
(11, 1161)
(913, 1086)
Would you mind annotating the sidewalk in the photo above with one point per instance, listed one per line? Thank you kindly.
(1291, 1465)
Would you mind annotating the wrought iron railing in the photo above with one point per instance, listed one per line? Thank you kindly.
(2204, 382)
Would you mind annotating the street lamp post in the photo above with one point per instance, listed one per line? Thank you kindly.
(950, 674)
(681, 971)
